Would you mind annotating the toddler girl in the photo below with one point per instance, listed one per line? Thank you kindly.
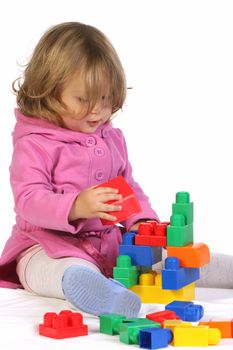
(64, 145)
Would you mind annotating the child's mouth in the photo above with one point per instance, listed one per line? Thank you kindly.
(93, 123)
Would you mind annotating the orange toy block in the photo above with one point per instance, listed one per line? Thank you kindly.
(225, 327)
(191, 255)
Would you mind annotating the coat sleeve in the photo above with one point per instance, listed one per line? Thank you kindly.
(35, 200)
(147, 212)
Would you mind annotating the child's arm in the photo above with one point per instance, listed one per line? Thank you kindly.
(32, 186)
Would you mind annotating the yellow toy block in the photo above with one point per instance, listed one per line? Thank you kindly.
(171, 324)
(195, 336)
(150, 290)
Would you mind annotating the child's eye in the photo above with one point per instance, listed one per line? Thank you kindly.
(105, 98)
(82, 100)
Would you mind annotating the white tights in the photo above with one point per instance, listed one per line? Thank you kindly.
(218, 273)
(43, 275)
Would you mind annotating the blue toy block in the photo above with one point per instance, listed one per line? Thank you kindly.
(129, 238)
(186, 310)
(175, 277)
(155, 338)
(142, 255)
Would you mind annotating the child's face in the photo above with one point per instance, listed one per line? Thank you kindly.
(73, 95)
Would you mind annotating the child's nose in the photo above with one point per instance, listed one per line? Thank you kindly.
(97, 108)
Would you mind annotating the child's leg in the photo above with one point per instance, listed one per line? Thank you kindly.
(218, 273)
(40, 274)
(78, 281)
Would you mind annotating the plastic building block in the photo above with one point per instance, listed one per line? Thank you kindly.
(175, 323)
(154, 338)
(183, 206)
(109, 323)
(161, 316)
(66, 324)
(196, 336)
(175, 277)
(152, 234)
(129, 331)
(178, 233)
(150, 290)
(124, 272)
(171, 324)
(130, 204)
(225, 327)
(191, 255)
(128, 238)
(187, 311)
(142, 255)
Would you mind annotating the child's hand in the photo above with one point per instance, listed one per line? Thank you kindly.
(91, 203)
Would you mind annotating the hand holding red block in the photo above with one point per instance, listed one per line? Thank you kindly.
(129, 203)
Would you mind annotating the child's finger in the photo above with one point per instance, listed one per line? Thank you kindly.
(109, 197)
(100, 190)
(106, 216)
(109, 207)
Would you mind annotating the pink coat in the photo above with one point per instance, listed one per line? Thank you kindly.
(50, 167)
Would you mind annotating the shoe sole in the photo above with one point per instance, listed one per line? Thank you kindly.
(93, 293)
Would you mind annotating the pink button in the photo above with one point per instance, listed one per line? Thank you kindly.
(99, 175)
(90, 141)
(104, 133)
(99, 152)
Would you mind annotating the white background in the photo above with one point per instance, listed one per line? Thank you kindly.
(178, 57)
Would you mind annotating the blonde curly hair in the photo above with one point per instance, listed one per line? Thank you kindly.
(62, 51)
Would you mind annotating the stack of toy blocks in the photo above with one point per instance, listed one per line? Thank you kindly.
(140, 250)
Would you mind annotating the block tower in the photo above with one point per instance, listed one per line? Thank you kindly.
(141, 249)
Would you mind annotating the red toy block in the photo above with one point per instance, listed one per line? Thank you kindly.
(66, 324)
(129, 202)
(152, 234)
(161, 316)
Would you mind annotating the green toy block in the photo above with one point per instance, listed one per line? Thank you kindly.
(109, 323)
(183, 206)
(128, 282)
(129, 331)
(178, 233)
(124, 272)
